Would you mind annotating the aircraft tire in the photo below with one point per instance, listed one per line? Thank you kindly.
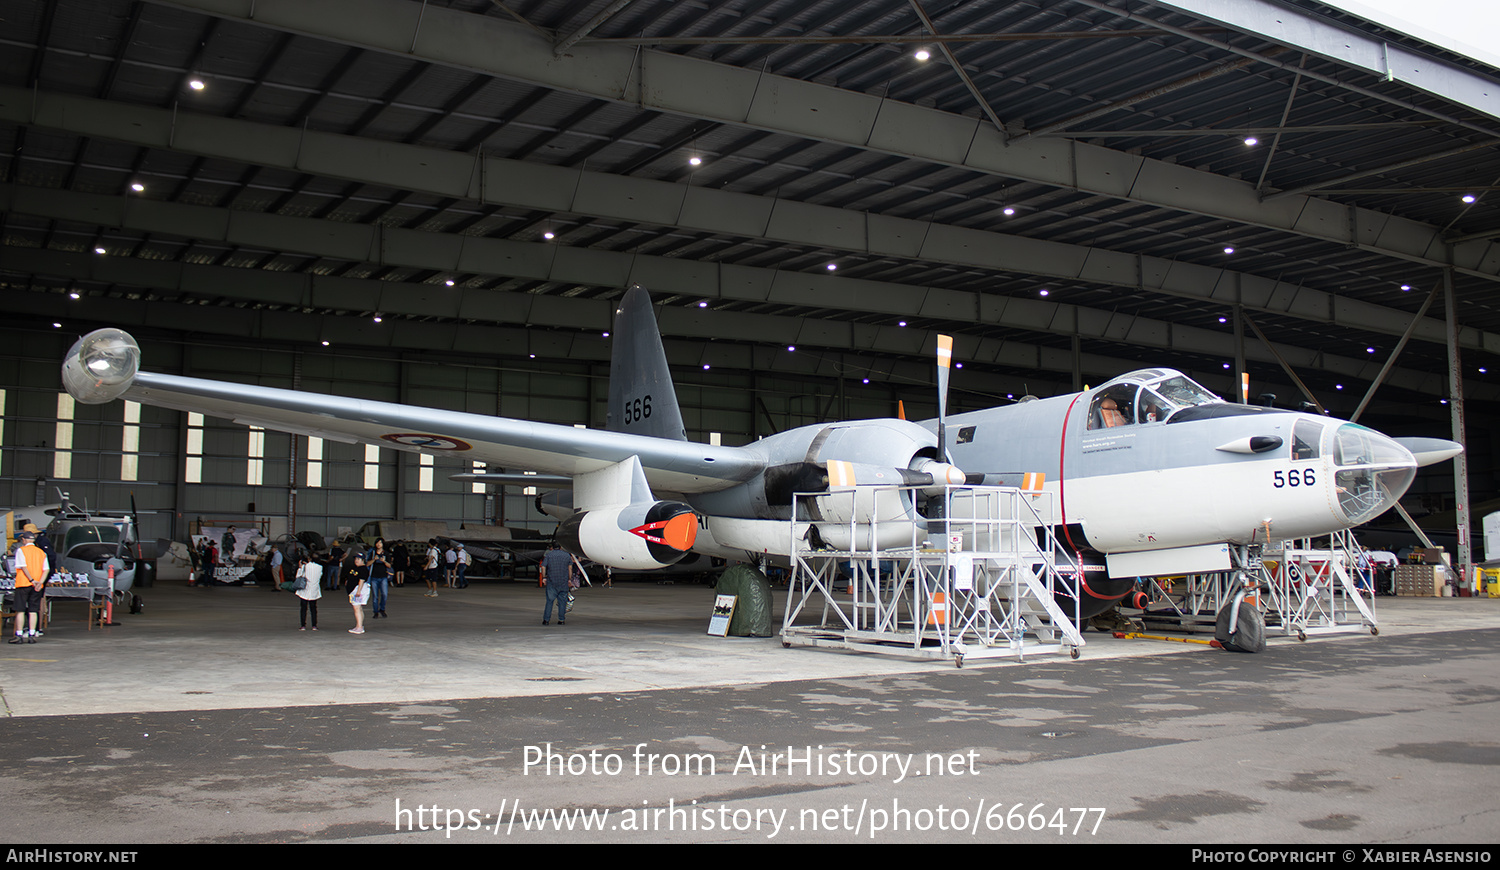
(1249, 632)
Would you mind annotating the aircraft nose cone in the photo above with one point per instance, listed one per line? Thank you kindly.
(1372, 471)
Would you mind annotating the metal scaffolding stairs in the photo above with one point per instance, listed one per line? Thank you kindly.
(979, 578)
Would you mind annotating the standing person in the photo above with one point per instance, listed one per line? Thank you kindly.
(400, 563)
(211, 558)
(360, 594)
(31, 575)
(451, 557)
(277, 572)
(554, 571)
(311, 574)
(433, 569)
(463, 566)
(380, 579)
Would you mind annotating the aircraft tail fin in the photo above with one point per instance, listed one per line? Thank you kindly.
(642, 398)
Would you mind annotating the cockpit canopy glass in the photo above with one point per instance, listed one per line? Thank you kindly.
(1145, 396)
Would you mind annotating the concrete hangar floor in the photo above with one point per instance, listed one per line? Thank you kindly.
(210, 718)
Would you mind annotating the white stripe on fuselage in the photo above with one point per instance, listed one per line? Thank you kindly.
(1180, 507)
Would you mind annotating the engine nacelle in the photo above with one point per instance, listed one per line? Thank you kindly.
(640, 536)
(101, 366)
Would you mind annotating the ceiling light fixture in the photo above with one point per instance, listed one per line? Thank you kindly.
(791, 348)
(1251, 141)
(1228, 250)
(1007, 211)
(74, 295)
(325, 342)
(1469, 197)
(377, 318)
(1044, 292)
(922, 54)
(548, 235)
(99, 250)
(449, 282)
(703, 303)
(138, 187)
(695, 160)
(196, 84)
(833, 266)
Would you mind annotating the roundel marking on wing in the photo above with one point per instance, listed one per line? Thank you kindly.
(427, 442)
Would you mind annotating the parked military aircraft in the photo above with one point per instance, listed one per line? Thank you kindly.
(1163, 480)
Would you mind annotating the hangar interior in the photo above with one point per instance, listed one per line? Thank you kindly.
(438, 202)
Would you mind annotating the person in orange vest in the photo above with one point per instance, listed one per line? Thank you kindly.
(31, 574)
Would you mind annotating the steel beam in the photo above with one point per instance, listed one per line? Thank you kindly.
(497, 181)
(555, 263)
(1290, 26)
(717, 92)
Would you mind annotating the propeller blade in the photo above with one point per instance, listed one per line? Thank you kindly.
(944, 366)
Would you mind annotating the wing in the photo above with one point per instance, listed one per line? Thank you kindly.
(100, 369)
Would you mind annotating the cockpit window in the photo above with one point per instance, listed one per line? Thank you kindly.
(1113, 407)
(1305, 437)
(1151, 408)
(1183, 393)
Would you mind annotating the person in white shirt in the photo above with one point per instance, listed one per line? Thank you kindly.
(311, 573)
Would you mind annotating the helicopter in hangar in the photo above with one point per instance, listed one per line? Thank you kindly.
(1151, 471)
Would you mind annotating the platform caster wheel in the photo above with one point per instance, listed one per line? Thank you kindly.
(958, 661)
(1075, 653)
(786, 645)
(1302, 636)
(1374, 630)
